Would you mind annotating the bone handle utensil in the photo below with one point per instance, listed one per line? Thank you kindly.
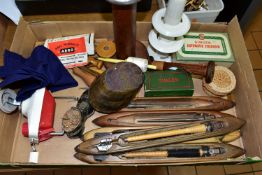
(194, 129)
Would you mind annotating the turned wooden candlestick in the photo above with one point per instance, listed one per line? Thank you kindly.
(124, 22)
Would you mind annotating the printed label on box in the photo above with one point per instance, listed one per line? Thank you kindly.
(72, 51)
(205, 46)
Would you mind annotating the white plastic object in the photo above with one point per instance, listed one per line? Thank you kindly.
(166, 29)
(7, 97)
(203, 16)
(32, 108)
(158, 56)
(33, 157)
(169, 24)
(174, 12)
(207, 16)
(164, 45)
(140, 62)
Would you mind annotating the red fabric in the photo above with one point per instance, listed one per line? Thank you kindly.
(47, 118)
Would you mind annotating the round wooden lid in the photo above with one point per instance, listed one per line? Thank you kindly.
(223, 83)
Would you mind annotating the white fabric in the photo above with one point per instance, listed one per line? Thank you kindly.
(32, 108)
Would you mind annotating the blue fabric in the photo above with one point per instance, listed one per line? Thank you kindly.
(41, 69)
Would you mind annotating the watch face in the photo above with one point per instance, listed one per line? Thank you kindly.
(123, 2)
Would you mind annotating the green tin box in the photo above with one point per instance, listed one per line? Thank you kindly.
(168, 83)
(201, 47)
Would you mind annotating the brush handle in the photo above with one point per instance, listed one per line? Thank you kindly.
(194, 129)
(97, 63)
(85, 76)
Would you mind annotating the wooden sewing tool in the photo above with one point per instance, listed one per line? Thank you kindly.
(114, 130)
(147, 138)
(204, 70)
(155, 118)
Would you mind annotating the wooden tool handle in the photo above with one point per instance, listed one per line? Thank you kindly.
(193, 129)
(87, 77)
(146, 154)
(97, 63)
(204, 70)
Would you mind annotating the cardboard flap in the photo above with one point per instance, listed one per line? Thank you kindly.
(246, 94)
(3, 26)
(23, 36)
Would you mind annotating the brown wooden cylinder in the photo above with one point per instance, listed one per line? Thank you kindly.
(116, 87)
(124, 21)
(204, 70)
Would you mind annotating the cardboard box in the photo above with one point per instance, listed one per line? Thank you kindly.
(14, 148)
(3, 26)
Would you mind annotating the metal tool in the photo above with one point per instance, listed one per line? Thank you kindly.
(8, 104)
(67, 97)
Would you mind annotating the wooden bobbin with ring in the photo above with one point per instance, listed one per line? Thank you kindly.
(106, 49)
